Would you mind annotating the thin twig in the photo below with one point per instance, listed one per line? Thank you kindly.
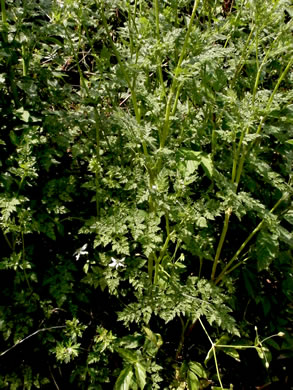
(31, 335)
(54, 380)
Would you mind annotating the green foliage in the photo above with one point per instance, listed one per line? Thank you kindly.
(145, 193)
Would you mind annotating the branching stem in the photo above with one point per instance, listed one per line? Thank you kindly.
(214, 352)
(166, 127)
(227, 268)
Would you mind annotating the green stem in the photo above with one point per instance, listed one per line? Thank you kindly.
(257, 66)
(4, 21)
(176, 99)
(221, 242)
(281, 78)
(156, 275)
(234, 24)
(23, 261)
(151, 266)
(260, 126)
(182, 337)
(162, 254)
(122, 67)
(3, 12)
(135, 7)
(159, 64)
(24, 61)
(165, 247)
(166, 127)
(227, 268)
(96, 115)
(10, 72)
(243, 56)
(260, 67)
(214, 352)
(235, 158)
(136, 108)
(176, 13)
(239, 163)
(130, 32)
(235, 346)
(200, 266)
(97, 170)
(7, 240)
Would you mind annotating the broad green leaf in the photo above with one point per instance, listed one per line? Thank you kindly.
(232, 352)
(207, 165)
(197, 369)
(285, 235)
(128, 355)
(124, 379)
(140, 374)
(192, 381)
(155, 338)
(188, 154)
(190, 167)
(23, 114)
(150, 335)
(266, 249)
(189, 161)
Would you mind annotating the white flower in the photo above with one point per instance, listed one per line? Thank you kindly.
(117, 263)
(81, 251)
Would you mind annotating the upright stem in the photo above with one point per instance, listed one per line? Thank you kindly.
(97, 127)
(23, 262)
(221, 242)
(159, 65)
(131, 86)
(182, 338)
(236, 175)
(24, 61)
(227, 268)
(260, 126)
(122, 67)
(258, 67)
(243, 56)
(7, 239)
(4, 21)
(3, 12)
(174, 84)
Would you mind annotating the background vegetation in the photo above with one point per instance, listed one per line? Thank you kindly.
(146, 194)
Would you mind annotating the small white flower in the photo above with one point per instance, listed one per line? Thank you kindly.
(117, 263)
(80, 252)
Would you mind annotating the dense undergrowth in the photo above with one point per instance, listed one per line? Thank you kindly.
(146, 194)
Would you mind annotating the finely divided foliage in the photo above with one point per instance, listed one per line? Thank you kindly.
(146, 193)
